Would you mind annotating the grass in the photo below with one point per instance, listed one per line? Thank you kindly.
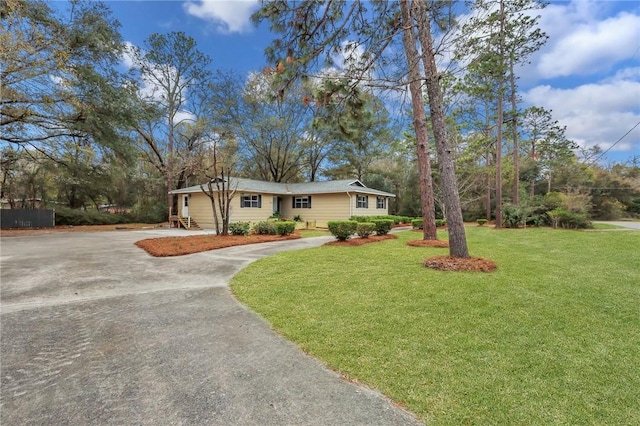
(606, 226)
(310, 233)
(551, 337)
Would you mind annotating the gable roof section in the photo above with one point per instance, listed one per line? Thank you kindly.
(309, 188)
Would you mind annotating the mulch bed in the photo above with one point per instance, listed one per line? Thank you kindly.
(178, 246)
(457, 264)
(354, 242)
(428, 243)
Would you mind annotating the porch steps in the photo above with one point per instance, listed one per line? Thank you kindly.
(189, 224)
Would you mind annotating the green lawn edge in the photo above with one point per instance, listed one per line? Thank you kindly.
(551, 337)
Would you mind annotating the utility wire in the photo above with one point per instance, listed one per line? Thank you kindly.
(614, 144)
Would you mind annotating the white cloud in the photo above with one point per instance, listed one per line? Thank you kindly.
(591, 47)
(128, 55)
(229, 16)
(597, 113)
(149, 88)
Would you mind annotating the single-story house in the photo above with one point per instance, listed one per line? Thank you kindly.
(315, 203)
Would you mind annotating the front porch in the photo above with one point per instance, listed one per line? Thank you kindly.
(188, 222)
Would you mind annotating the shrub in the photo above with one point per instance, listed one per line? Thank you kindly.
(512, 216)
(239, 228)
(568, 220)
(265, 227)
(481, 221)
(416, 223)
(364, 229)
(77, 217)
(360, 218)
(342, 229)
(153, 213)
(383, 226)
(285, 227)
(396, 219)
(297, 218)
(441, 222)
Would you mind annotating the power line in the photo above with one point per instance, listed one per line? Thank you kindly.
(614, 144)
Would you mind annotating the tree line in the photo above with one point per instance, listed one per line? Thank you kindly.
(90, 120)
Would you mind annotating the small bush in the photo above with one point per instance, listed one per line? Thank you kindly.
(383, 226)
(297, 218)
(364, 229)
(481, 222)
(342, 229)
(78, 217)
(569, 220)
(416, 224)
(239, 228)
(265, 227)
(396, 219)
(360, 219)
(285, 227)
(441, 222)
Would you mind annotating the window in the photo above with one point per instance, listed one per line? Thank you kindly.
(362, 201)
(381, 203)
(302, 202)
(251, 201)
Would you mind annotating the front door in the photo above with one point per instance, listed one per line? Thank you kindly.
(185, 205)
(276, 205)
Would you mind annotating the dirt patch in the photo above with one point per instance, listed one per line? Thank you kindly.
(354, 242)
(178, 246)
(428, 243)
(457, 264)
(83, 228)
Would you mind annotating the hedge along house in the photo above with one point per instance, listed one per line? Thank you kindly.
(315, 203)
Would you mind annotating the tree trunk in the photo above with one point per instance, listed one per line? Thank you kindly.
(170, 165)
(488, 197)
(499, 120)
(457, 237)
(532, 190)
(516, 145)
(429, 230)
(499, 159)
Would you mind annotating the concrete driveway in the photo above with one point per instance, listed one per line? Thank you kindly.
(623, 224)
(95, 331)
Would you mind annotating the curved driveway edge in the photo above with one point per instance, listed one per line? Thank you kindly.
(95, 331)
(622, 224)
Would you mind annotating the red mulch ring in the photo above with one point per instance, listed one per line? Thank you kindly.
(458, 264)
(353, 242)
(428, 243)
(178, 246)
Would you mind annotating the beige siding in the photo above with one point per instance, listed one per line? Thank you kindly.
(200, 210)
(371, 210)
(251, 214)
(324, 207)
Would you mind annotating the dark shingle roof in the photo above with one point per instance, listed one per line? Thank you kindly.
(309, 188)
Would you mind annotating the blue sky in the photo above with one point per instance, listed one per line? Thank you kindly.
(588, 73)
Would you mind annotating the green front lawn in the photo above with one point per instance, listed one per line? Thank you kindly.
(551, 337)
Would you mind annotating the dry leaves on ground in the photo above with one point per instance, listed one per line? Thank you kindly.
(429, 243)
(458, 264)
(24, 232)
